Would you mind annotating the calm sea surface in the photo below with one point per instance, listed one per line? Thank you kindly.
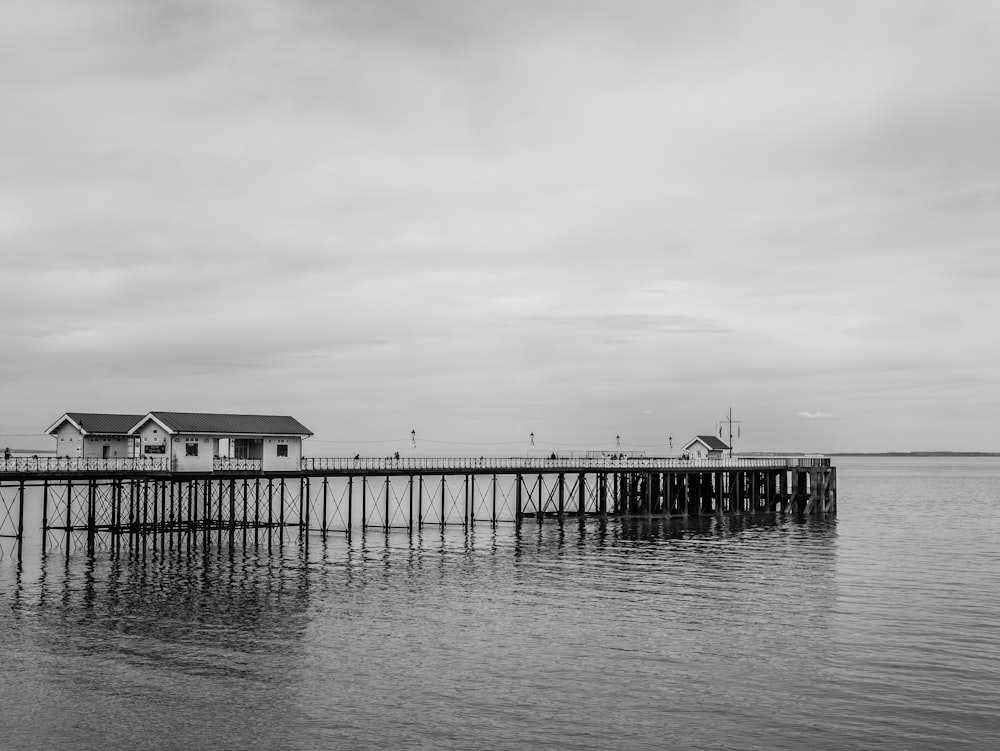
(879, 629)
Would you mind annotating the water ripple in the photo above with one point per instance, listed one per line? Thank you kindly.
(873, 630)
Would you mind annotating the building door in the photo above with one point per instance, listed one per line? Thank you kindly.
(106, 452)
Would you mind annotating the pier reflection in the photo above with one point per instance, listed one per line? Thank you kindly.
(233, 643)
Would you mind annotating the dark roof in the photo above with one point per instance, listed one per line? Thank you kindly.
(199, 422)
(712, 442)
(92, 422)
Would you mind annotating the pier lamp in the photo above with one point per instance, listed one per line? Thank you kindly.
(413, 438)
(618, 441)
(532, 438)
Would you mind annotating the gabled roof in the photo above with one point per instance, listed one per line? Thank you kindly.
(713, 443)
(202, 422)
(94, 422)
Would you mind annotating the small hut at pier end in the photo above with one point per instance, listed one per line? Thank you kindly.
(90, 435)
(192, 440)
(705, 447)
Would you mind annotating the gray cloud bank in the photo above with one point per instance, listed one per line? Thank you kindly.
(487, 219)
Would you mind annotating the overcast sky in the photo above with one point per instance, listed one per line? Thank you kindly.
(482, 220)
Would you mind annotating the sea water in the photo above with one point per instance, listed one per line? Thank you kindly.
(875, 629)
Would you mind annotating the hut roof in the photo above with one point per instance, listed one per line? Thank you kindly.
(97, 423)
(711, 441)
(204, 422)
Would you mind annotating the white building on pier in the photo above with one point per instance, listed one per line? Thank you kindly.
(189, 441)
(193, 440)
(705, 447)
(90, 435)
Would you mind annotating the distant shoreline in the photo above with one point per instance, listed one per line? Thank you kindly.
(917, 454)
(970, 454)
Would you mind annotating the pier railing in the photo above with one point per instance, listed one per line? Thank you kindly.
(24, 464)
(236, 465)
(76, 464)
(452, 464)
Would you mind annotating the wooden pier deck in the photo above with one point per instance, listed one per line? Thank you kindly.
(118, 498)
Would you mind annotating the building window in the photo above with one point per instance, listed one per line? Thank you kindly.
(282, 449)
(192, 449)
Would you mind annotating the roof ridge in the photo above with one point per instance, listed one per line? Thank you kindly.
(229, 423)
(221, 414)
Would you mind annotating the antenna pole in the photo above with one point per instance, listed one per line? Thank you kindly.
(730, 432)
(728, 419)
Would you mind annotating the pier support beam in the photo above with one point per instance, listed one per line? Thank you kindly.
(94, 505)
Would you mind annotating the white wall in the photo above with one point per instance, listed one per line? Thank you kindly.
(179, 459)
(272, 462)
(93, 447)
(152, 436)
(68, 441)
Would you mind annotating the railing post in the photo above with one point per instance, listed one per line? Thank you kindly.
(116, 511)
(649, 494)
(69, 513)
(91, 515)
(420, 502)
(470, 503)
(562, 495)
(305, 492)
(45, 514)
(350, 501)
(20, 520)
(364, 502)
(444, 480)
(232, 502)
(602, 494)
(325, 488)
(409, 517)
(540, 511)
(517, 499)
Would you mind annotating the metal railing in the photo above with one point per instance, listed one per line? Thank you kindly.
(236, 465)
(419, 464)
(445, 464)
(76, 464)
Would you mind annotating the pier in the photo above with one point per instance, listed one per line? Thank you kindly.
(111, 501)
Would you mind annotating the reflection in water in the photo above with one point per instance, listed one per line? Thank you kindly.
(755, 632)
(286, 644)
(603, 634)
(152, 650)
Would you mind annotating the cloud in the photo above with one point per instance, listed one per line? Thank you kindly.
(579, 210)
